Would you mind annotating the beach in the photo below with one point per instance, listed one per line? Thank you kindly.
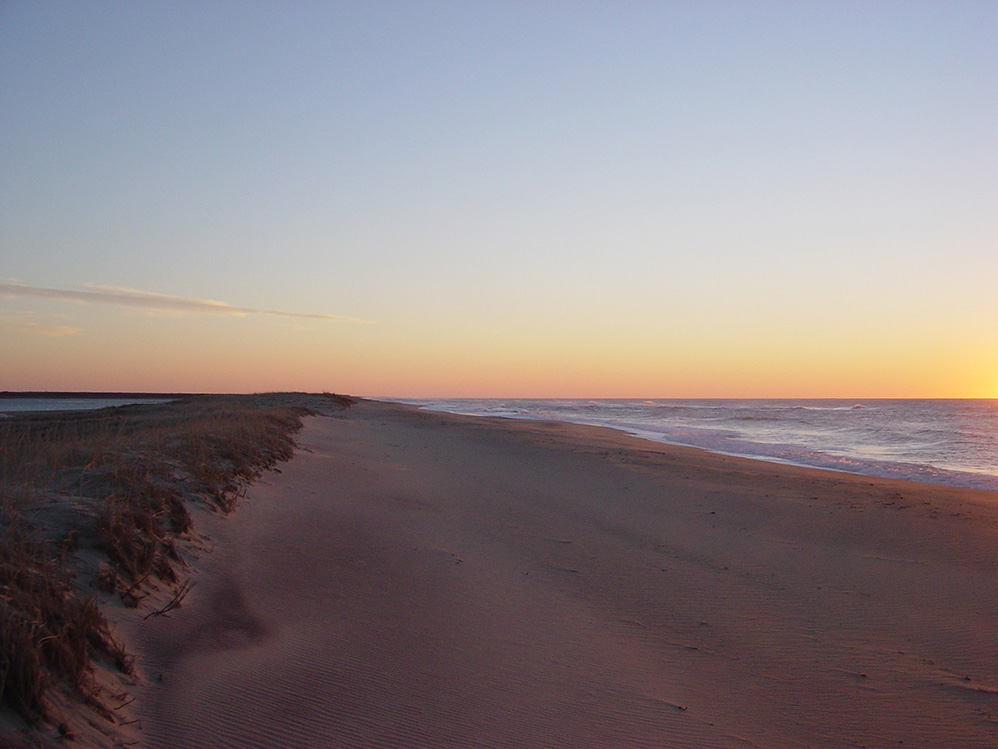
(424, 579)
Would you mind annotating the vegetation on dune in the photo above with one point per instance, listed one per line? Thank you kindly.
(96, 500)
(48, 630)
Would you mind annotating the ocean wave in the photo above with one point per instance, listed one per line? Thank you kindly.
(950, 442)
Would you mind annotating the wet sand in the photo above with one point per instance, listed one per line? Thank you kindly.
(420, 579)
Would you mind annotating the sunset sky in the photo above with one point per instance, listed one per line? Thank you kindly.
(594, 199)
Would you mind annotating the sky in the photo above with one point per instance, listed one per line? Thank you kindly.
(472, 199)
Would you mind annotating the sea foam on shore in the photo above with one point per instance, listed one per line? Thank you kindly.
(953, 442)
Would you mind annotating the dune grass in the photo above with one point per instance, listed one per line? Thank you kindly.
(50, 633)
(96, 501)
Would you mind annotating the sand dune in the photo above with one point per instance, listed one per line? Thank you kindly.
(417, 579)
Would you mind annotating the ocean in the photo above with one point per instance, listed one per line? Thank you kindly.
(952, 442)
(17, 404)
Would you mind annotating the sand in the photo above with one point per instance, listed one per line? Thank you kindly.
(419, 579)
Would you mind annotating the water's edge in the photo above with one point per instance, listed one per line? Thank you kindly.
(954, 443)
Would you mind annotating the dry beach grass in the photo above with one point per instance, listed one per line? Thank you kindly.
(94, 503)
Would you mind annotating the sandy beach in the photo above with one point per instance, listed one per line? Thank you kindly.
(421, 579)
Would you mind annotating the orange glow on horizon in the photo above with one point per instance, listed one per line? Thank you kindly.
(189, 354)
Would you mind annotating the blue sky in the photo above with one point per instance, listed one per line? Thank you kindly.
(516, 198)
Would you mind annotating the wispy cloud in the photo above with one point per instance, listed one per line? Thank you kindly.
(49, 331)
(95, 294)
(27, 322)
